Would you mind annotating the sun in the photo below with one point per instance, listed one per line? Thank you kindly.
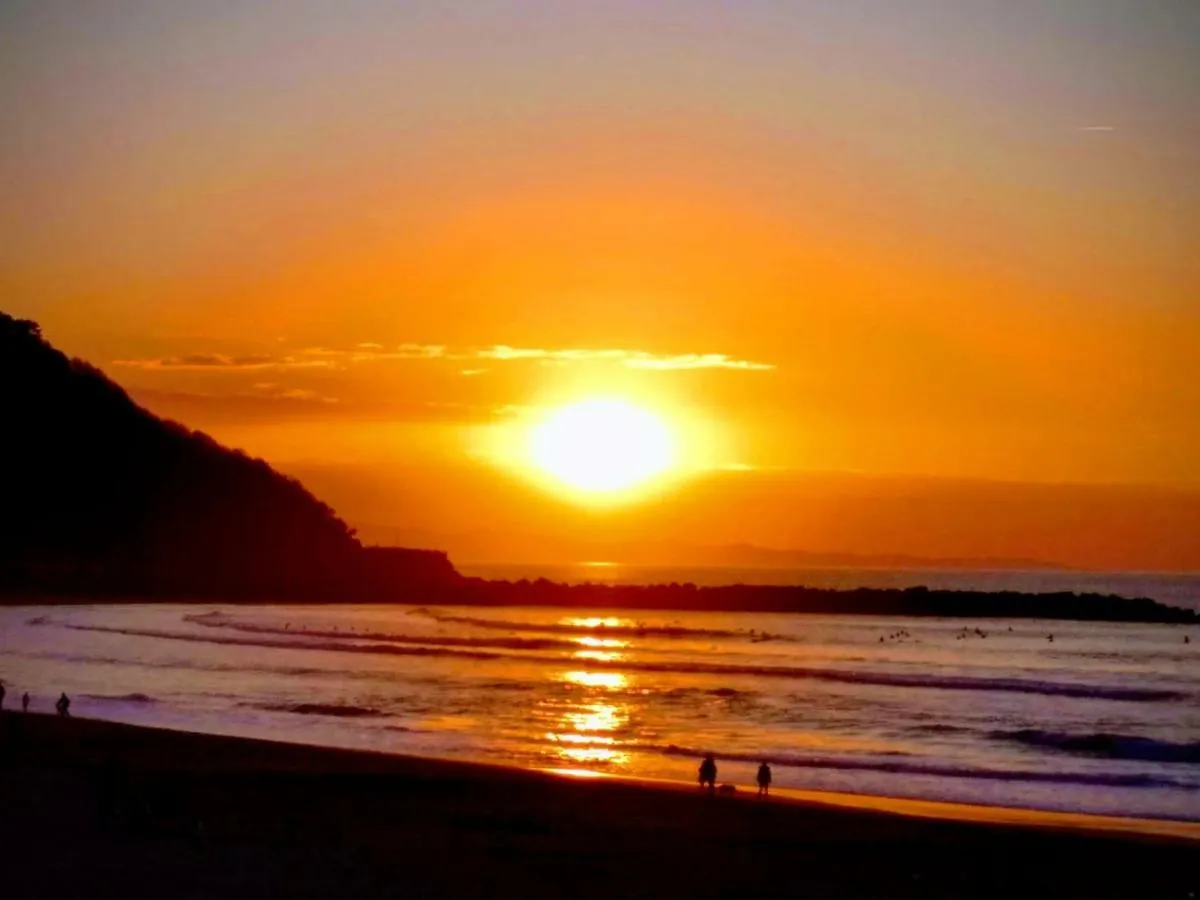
(602, 446)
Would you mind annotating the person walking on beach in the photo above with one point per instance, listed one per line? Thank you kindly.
(708, 772)
(63, 705)
(25, 702)
(764, 779)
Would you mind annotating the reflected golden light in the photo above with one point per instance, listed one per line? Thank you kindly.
(587, 732)
(599, 655)
(594, 622)
(610, 680)
(589, 641)
(596, 717)
(595, 755)
(577, 773)
(580, 738)
(601, 446)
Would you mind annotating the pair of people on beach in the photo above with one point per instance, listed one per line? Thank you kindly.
(708, 775)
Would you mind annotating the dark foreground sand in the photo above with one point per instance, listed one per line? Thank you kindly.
(93, 809)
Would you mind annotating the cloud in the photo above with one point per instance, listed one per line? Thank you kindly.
(371, 352)
(208, 410)
(220, 362)
(697, 361)
(419, 351)
(634, 359)
(336, 358)
(1098, 128)
(301, 394)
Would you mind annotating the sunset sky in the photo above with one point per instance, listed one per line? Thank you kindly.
(907, 278)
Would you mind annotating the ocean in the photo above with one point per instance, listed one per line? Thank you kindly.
(1104, 718)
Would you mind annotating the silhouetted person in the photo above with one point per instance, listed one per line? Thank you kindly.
(63, 705)
(1, 695)
(708, 772)
(1186, 639)
(1050, 638)
(25, 702)
(764, 779)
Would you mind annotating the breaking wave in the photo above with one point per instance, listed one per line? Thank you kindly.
(1109, 746)
(843, 676)
(625, 628)
(336, 647)
(323, 709)
(121, 698)
(218, 620)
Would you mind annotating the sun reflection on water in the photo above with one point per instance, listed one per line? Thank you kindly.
(599, 655)
(589, 641)
(608, 655)
(588, 731)
(611, 680)
(594, 621)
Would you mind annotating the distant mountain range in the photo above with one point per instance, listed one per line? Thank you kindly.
(491, 547)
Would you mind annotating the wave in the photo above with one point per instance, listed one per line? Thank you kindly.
(1109, 746)
(289, 645)
(937, 728)
(632, 629)
(121, 698)
(725, 693)
(219, 620)
(842, 676)
(1094, 779)
(321, 709)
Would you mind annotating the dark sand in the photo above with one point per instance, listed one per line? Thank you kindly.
(94, 809)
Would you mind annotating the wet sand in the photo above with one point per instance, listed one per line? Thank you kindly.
(92, 809)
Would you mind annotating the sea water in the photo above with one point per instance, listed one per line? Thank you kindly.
(1104, 718)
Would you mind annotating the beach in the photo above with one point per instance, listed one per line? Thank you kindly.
(101, 809)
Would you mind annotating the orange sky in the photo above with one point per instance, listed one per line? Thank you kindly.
(948, 257)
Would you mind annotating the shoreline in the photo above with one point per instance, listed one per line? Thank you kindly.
(138, 811)
(940, 810)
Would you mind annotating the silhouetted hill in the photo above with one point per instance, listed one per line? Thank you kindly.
(99, 495)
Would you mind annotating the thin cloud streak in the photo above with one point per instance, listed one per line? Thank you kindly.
(325, 357)
(220, 362)
(206, 410)
(634, 359)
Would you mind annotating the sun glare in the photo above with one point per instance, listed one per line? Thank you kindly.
(602, 446)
